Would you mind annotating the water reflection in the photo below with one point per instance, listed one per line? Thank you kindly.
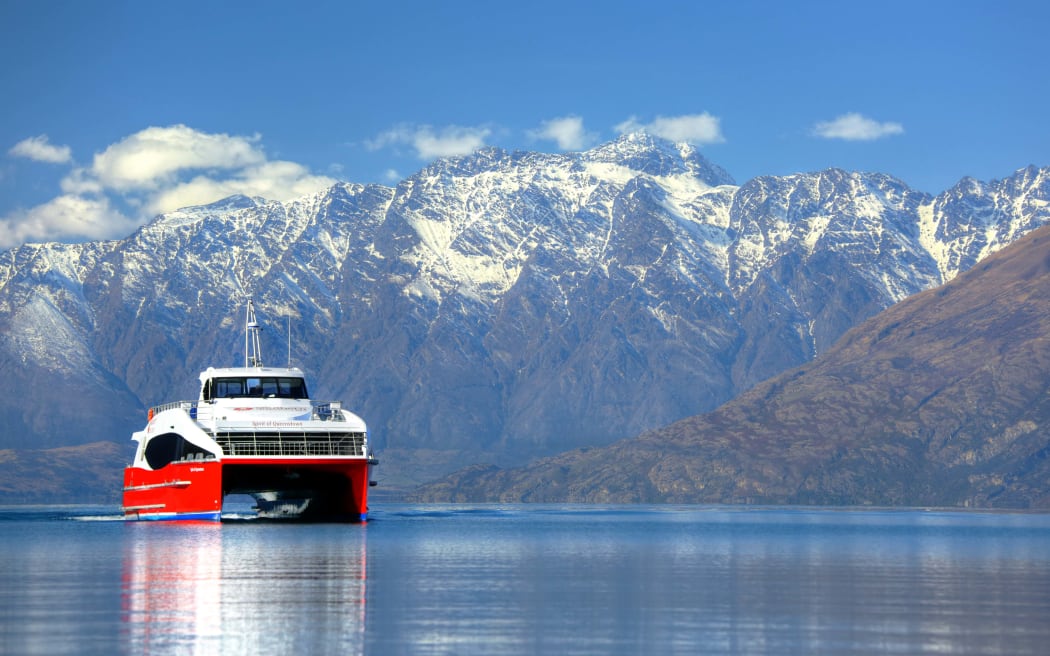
(532, 579)
(701, 581)
(256, 588)
(171, 588)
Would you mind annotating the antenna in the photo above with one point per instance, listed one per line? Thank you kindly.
(252, 350)
(289, 341)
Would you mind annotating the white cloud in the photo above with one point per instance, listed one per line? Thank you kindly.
(856, 127)
(431, 144)
(153, 171)
(566, 131)
(65, 218)
(271, 180)
(696, 129)
(80, 181)
(41, 149)
(156, 155)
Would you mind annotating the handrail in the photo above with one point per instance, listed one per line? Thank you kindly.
(292, 443)
(320, 410)
(183, 405)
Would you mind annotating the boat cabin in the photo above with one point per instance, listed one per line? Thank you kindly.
(253, 384)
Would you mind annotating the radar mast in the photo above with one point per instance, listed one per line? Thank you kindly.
(252, 351)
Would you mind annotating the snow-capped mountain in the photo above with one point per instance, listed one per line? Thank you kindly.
(490, 307)
(939, 400)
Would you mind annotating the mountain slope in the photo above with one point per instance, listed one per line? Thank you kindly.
(943, 399)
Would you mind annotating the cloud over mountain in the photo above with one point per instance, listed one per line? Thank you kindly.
(696, 129)
(429, 142)
(566, 131)
(152, 171)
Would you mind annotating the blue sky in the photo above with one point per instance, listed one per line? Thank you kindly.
(115, 111)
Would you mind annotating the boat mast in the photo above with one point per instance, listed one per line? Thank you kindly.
(252, 352)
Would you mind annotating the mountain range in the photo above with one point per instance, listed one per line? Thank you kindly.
(941, 400)
(491, 308)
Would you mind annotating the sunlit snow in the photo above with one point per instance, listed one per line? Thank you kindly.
(42, 335)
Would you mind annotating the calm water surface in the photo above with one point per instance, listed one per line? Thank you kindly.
(529, 579)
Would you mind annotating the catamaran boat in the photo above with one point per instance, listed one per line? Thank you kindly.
(253, 431)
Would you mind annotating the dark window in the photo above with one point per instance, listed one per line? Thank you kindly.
(265, 387)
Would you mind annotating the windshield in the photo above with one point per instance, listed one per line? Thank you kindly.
(260, 387)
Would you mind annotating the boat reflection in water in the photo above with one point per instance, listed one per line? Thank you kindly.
(243, 587)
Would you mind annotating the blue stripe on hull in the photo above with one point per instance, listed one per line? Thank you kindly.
(174, 517)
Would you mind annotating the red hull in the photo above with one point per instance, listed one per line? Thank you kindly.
(337, 487)
(181, 490)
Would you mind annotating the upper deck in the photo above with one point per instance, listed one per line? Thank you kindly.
(267, 426)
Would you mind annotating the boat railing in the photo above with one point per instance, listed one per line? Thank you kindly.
(292, 443)
(320, 410)
(188, 406)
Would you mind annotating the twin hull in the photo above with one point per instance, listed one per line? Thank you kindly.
(184, 472)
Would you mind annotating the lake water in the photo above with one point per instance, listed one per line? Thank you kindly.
(526, 579)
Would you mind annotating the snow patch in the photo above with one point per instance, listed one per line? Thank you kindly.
(817, 226)
(609, 172)
(41, 334)
(929, 224)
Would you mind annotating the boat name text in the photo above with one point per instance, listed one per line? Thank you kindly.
(273, 423)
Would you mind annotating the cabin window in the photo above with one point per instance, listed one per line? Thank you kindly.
(257, 387)
(228, 388)
(291, 388)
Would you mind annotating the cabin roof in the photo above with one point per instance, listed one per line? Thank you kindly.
(250, 372)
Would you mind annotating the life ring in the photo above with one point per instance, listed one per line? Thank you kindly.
(149, 415)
